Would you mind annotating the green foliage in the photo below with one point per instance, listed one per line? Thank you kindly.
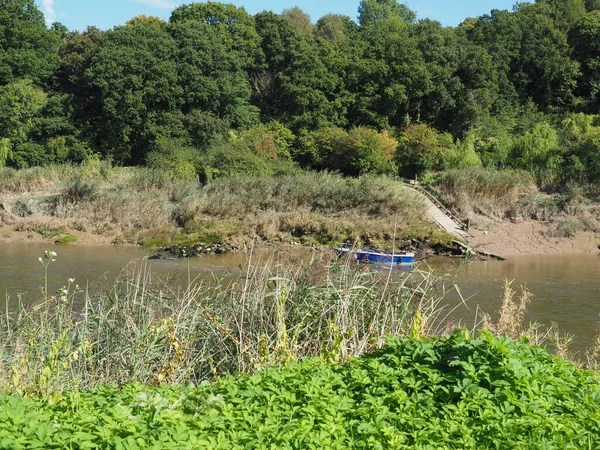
(5, 146)
(537, 151)
(457, 392)
(367, 151)
(135, 74)
(300, 21)
(239, 157)
(319, 150)
(27, 47)
(21, 103)
(361, 150)
(271, 141)
(174, 158)
(371, 11)
(584, 38)
(462, 155)
(420, 150)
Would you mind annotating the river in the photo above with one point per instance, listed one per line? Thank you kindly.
(565, 288)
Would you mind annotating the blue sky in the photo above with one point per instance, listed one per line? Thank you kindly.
(105, 14)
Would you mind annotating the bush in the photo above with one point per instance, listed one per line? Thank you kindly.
(271, 141)
(317, 150)
(174, 158)
(420, 150)
(368, 151)
(360, 151)
(462, 155)
(235, 158)
(79, 190)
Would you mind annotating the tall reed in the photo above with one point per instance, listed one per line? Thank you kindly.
(146, 330)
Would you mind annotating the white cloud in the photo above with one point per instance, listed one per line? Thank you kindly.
(156, 3)
(48, 7)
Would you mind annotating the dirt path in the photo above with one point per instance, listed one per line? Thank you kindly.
(530, 238)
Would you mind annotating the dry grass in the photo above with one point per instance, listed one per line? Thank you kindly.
(123, 204)
(487, 192)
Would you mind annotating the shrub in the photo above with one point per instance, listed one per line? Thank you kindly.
(318, 149)
(79, 190)
(462, 155)
(420, 150)
(271, 141)
(173, 157)
(367, 151)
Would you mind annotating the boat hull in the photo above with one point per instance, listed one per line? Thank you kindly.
(376, 257)
(384, 258)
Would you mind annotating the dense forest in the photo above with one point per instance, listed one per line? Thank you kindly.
(217, 91)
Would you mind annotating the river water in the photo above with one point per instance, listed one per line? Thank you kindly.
(565, 288)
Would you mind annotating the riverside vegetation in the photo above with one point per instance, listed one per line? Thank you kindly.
(142, 365)
(216, 92)
(147, 207)
(205, 128)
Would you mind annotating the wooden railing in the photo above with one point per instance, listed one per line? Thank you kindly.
(463, 226)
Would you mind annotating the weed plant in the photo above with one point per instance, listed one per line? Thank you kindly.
(144, 330)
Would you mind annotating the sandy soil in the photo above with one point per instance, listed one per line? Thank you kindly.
(7, 234)
(509, 239)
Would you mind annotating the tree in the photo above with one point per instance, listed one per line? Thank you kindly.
(389, 77)
(294, 86)
(336, 28)
(27, 47)
(537, 151)
(372, 11)
(233, 22)
(585, 39)
(212, 76)
(367, 151)
(75, 56)
(419, 151)
(21, 104)
(299, 21)
(136, 75)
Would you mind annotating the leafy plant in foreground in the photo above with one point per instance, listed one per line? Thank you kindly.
(458, 392)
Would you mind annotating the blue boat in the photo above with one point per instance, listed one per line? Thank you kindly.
(376, 256)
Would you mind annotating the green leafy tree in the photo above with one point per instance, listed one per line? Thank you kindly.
(462, 154)
(21, 103)
(538, 152)
(372, 11)
(419, 151)
(299, 21)
(294, 86)
(319, 150)
(585, 39)
(136, 75)
(228, 21)
(390, 76)
(367, 151)
(211, 73)
(27, 47)
(336, 28)
(270, 141)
